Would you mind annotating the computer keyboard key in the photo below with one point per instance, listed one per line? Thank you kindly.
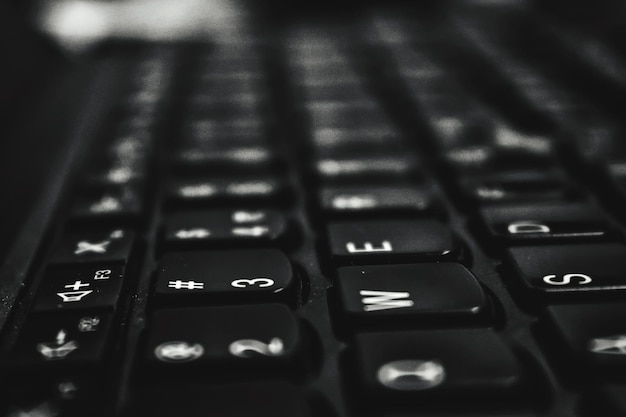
(263, 398)
(351, 200)
(84, 246)
(65, 343)
(570, 269)
(516, 224)
(210, 227)
(80, 287)
(588, 338)
(224, 275)
(411, 294)
(388, 240)
(449, 367)
(229, 340)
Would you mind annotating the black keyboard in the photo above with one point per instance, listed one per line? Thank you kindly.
(391, 213)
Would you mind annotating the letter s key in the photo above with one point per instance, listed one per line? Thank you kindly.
(567, 279)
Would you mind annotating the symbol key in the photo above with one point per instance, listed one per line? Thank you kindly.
(228, 275)
(95, 286)
(231, 339)
(69, 342)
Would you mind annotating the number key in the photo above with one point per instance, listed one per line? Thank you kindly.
(241, 275)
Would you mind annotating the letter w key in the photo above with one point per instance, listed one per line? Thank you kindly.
(384, 300)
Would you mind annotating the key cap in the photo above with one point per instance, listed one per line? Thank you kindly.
(409, 294)
(111, 245)
(85, 287)
(588, 338)
(220, 227)
(385, 241)
(69, 342)
(275, 399)
(223, 340)
(375, 199)
(440, 366)
(544, 222)
(219, 276)
(570, 270)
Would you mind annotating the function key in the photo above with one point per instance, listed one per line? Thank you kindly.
(113, 245)
(384, 241)
(203, 228)
(219, 276)
(544, 222)
(441, 366)
(570, 269)
(410, 294)
(230, 340)
(589, 337)
(375, 199)
(85, 287)
(65, 342)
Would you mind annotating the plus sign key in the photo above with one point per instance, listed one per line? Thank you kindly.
(234, 275)
(80, 287)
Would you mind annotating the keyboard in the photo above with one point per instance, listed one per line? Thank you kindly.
(394, 212)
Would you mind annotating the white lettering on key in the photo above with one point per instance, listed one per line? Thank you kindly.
(581, 279)
(260, 282)
(384, 300)
(102, 274)
(255, 231)
(248, 216)
(411, 375)
(245, 347)
(73, 296)
(342, 202)
(385, 246)
(185, 285)
(86, 247)
(195, 233)
(527, 227)
(77, 285)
